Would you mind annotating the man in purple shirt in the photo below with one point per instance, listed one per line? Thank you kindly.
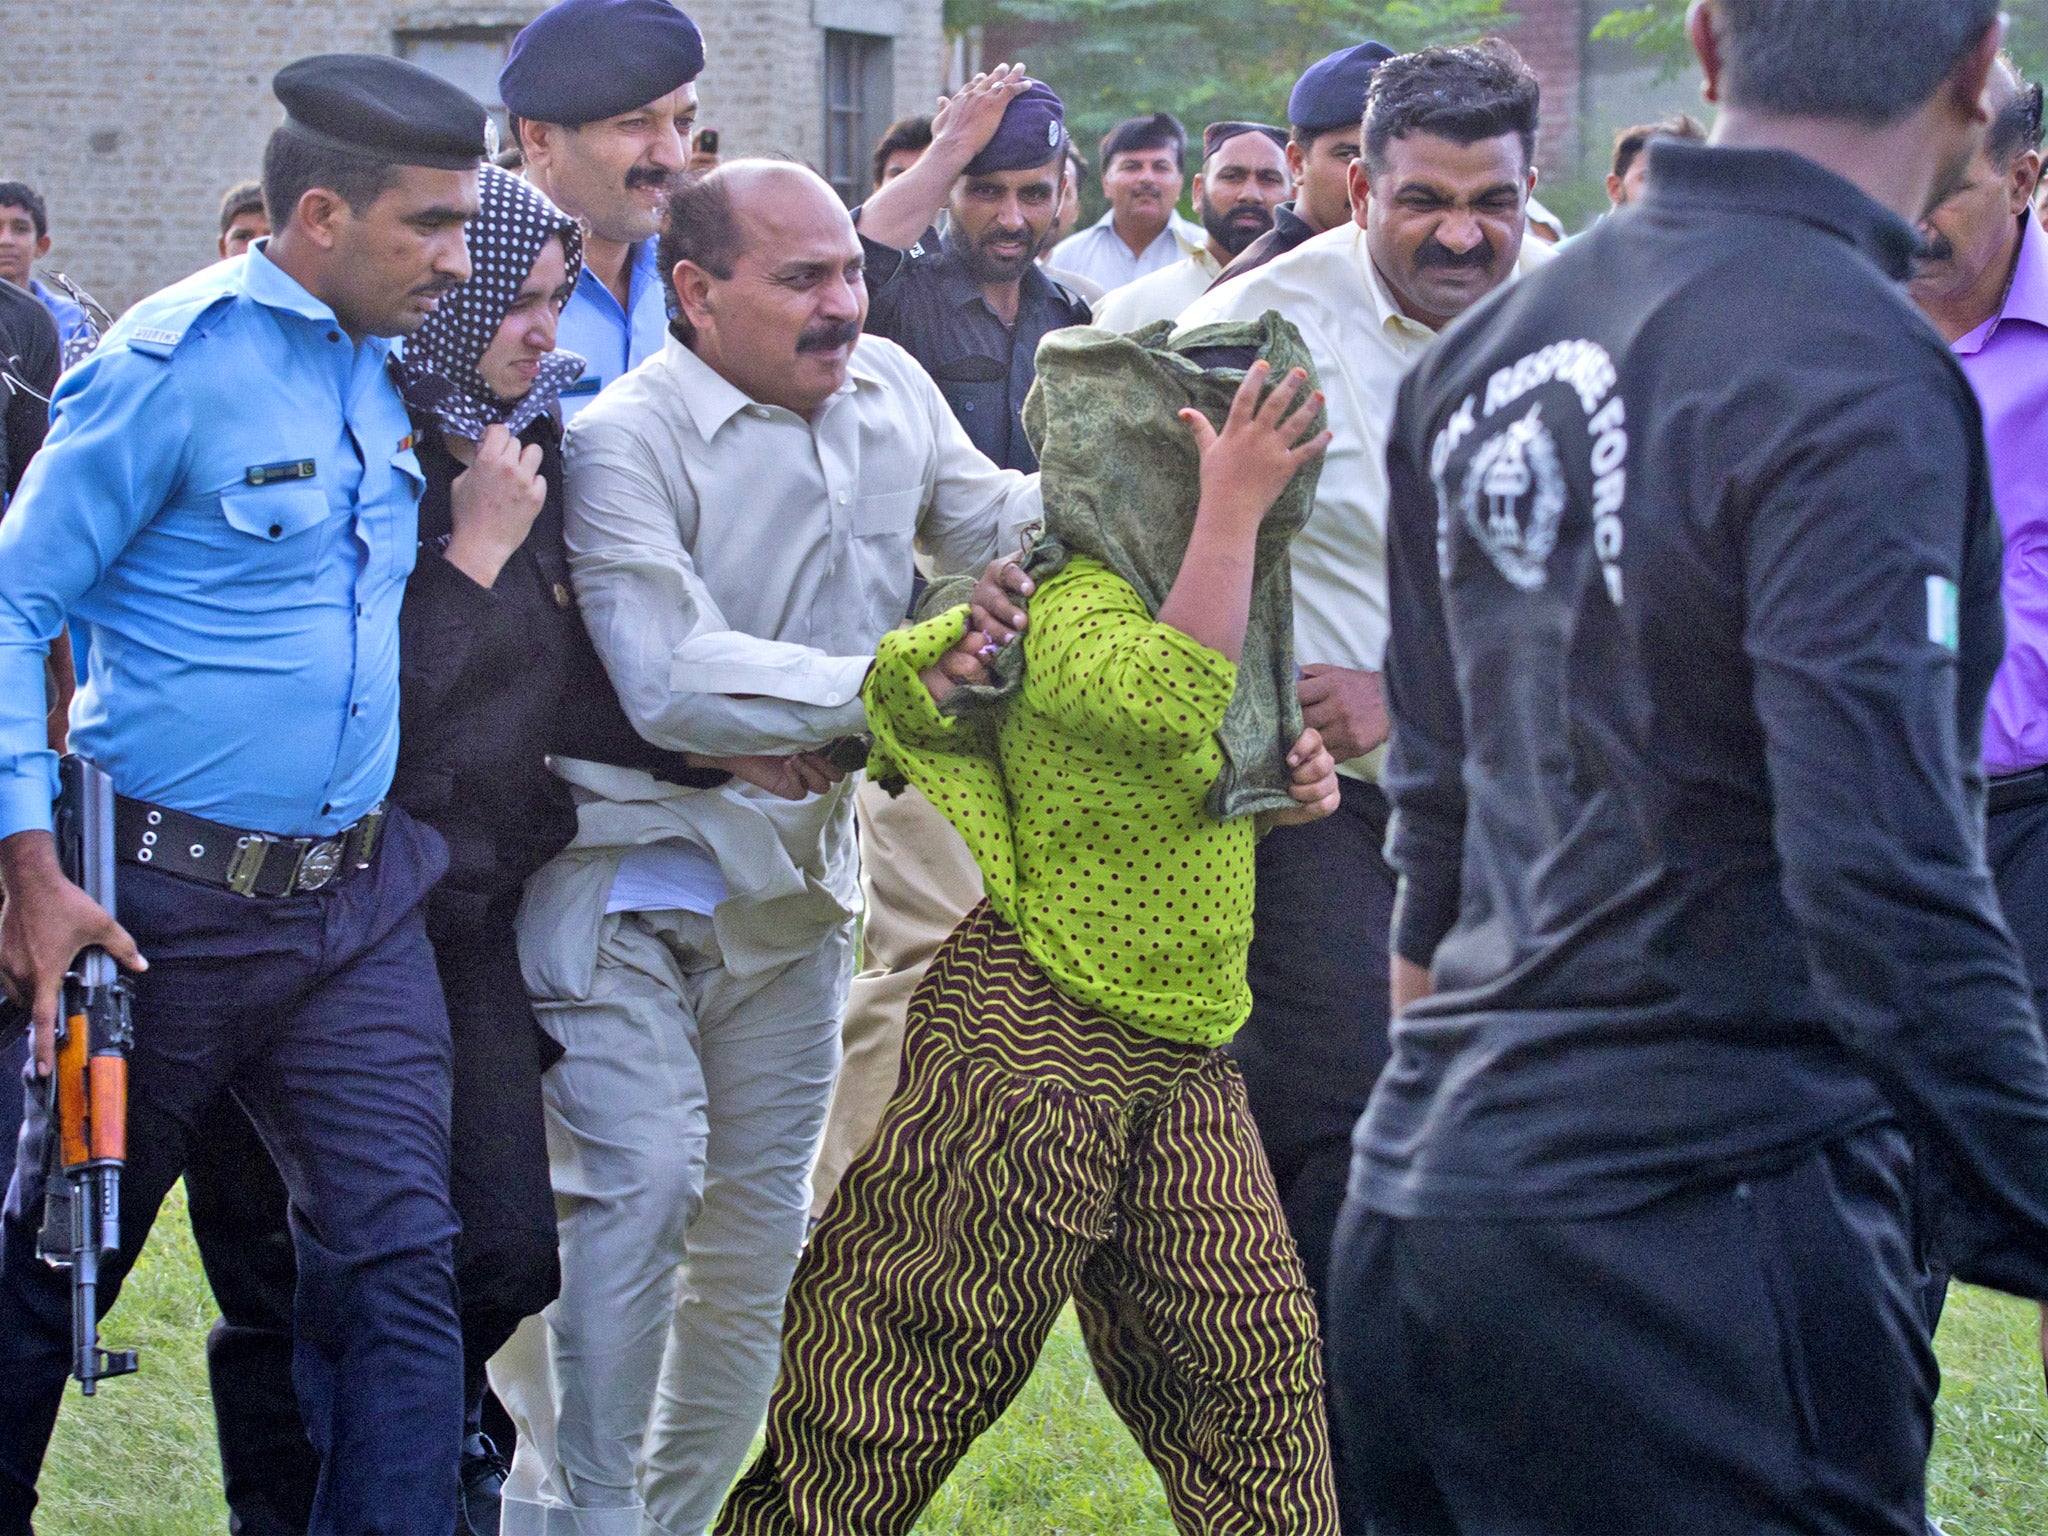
(1983, 281)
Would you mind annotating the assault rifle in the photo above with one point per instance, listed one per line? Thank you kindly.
(89, 1090)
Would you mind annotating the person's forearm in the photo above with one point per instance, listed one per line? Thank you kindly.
(897, 214)
(724, 725)
(1410, 983)
(1211, 600)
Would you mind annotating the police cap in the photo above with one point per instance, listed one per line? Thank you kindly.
(582, 61)
(1331, 92)
(374, 105)
(1033, 132)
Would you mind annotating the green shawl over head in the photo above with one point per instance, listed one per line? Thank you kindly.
(1121, 480)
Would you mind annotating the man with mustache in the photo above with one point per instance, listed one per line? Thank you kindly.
(971, 306)
(1143, 169)
(741, 515)
(1243, 180)
(226, 507)
(602, 102)
(1449, 141)
(1982, 278)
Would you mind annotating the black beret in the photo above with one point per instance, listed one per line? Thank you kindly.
(1331, 92)
(585, 60)
(375, 105)
(1161, 130)
(1033, 132)
(1216, 135)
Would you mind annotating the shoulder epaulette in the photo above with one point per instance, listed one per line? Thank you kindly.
(157, 325)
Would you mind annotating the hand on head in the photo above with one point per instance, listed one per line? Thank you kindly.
(972, 114)
(1262, 446)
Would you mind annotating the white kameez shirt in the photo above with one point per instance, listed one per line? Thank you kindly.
(1362, 345)
(736, 565)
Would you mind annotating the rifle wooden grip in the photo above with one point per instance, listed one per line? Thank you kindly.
(108, 1085)
(72, 1070)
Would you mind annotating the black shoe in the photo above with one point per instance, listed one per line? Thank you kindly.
(483, 1484)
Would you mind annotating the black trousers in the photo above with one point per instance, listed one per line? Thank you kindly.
(1317, 1036)
(505, 1259)
(1748, 1357)
(321, 1015)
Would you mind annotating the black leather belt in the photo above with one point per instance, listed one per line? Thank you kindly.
(247, 863)
(2010, 791)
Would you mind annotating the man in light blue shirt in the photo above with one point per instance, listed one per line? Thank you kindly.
(601, 97)
(227, 503)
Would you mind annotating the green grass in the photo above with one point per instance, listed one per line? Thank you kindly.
(140, 1461)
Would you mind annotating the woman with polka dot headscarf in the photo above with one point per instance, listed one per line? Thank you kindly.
(1065, 1127)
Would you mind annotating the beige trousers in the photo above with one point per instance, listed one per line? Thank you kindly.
(681, 1124)
(918, 881)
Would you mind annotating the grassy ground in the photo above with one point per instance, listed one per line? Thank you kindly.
(139, 1461)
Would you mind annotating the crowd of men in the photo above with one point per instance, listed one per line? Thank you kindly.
(474, 581)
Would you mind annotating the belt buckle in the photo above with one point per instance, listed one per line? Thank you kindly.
(318, 865)
(247, 863)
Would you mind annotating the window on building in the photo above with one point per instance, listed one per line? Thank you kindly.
(859, 84)
(469, 57)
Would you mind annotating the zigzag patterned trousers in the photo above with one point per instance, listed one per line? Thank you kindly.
(1035, 1153)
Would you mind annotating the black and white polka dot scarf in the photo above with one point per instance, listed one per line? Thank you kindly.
(436, 364)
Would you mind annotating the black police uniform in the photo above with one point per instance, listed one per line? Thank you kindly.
(923, 301)
(1289, 230)
(491, 681)
(29, 363)
(1695, 586)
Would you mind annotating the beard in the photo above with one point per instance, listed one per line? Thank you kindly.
(1236, 228)
(984, 265)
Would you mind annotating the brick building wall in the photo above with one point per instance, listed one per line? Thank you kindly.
(1551, 36)
(133, 116)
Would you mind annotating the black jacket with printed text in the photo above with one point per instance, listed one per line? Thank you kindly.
(1695, 585)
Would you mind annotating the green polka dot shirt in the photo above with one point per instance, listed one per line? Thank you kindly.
(1082, 800)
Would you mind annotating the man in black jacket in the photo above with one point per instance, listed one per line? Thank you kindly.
(1695, 584)
(29, 363)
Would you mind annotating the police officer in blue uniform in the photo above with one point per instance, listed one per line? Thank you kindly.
(227, 506)
(601, 97)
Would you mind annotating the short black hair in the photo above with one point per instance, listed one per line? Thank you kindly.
(2016, 118)
(293, 166)
(1160, 130)
(1864, 61)
(906, 133)
(243, 197)
(19, 194)
(1076, 165)
(701, 227)
(1631, 142)
(1477, 91)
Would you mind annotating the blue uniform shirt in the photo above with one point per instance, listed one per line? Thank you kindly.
(611, 340)
(228, 501)
(74, 326)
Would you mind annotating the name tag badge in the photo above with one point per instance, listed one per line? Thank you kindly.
(271, 474)
(1944, 618)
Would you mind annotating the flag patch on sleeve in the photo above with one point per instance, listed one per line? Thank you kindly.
(1943, 619)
